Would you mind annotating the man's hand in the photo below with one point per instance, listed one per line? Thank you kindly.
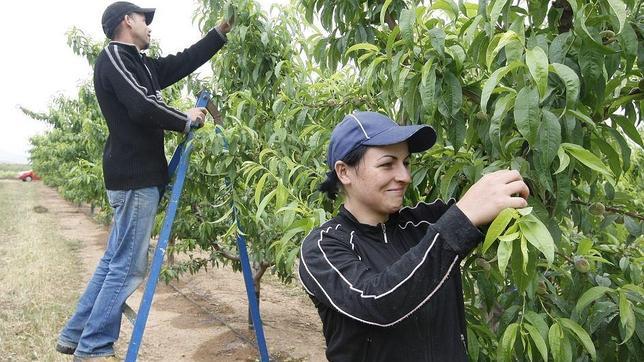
(493, 193)
(197, 116)
(225, 26)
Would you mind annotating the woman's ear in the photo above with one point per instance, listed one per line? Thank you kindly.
(343, 172)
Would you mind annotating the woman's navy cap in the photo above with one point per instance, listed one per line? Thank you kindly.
(375, 129)
(114, 13)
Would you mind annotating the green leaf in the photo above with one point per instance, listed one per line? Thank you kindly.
(624, 147)
(538, 340)
(400, 88)
(493, 80)
(497, 227)
(587, 158)
(524, 257)
(262, 205)
(496, 10)
(555, 337)
(383, 11)
(514, 50)
(525, 210)
(634, 288)
(571, 80)
(611, 154)
(503, 253)
(537, 10)
(510, 235)
(406, 24)
(564, 160)
(259, 188)
(281, 195)
(504, 351)
(501, 107)
(581, 335)
(559, 47)
(538, 235)
(590, 296)
(452, 93)
(582, 117)
(427, 87)
(290, 233)
(537, 62)
(538, 321)
(471, 30)
(626, 316)
(619, 9)
(499, 42)
(527, 114)
(473, 347)
(628, 43)
(548, 140)
(446, 182)
(582, 31)
(362, 46)
(629, 129)
(437, 39)
(229, 12)
(450, 7)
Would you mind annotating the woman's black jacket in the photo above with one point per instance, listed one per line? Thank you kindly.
(391, 292)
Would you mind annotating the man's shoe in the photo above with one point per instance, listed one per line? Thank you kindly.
(64, 349)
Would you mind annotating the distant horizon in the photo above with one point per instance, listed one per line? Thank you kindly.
(14, 163)
(13, 158)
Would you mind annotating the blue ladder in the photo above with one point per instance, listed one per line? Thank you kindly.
(179, 166)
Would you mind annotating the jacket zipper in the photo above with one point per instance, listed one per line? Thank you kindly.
(464, 344)
(384, 231)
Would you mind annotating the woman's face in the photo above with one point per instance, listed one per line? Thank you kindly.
(377, 184)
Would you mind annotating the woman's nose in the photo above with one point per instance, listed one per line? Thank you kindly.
(403, 174)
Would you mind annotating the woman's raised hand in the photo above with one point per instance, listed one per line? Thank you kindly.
(493, 193)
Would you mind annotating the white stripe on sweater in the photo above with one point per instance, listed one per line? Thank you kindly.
(120, 67)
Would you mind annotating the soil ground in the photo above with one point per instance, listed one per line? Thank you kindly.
(48, 251)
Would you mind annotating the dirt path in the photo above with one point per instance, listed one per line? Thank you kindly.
(202, 317)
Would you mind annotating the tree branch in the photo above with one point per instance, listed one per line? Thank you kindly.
(391, 22)
(223, 252)
(259, 268)
(612, 209)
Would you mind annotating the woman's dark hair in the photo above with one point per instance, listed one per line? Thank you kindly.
(331, 186)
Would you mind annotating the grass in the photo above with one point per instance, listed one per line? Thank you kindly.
(39, 275)
(11, 170)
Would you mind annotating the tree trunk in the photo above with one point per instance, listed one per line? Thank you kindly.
(258, 271)
(171, 253)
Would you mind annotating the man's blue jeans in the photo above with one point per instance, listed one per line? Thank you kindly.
(96, 324)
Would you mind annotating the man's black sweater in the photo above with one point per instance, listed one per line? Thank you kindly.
(128, 85)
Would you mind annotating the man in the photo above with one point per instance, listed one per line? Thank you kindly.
(127, 85)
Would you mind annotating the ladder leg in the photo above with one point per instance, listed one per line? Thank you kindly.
(252, 301)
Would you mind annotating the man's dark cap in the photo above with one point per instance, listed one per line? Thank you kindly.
(114, 13)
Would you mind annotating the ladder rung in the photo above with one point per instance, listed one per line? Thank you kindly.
(129, 313)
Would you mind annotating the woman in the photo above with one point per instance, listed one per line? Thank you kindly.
(385, 278)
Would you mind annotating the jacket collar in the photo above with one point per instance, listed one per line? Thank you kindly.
(376, 232)
(128, 46)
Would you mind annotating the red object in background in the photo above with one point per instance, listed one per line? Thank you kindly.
(28, 176)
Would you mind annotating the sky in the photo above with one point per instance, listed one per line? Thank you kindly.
(38, 64)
